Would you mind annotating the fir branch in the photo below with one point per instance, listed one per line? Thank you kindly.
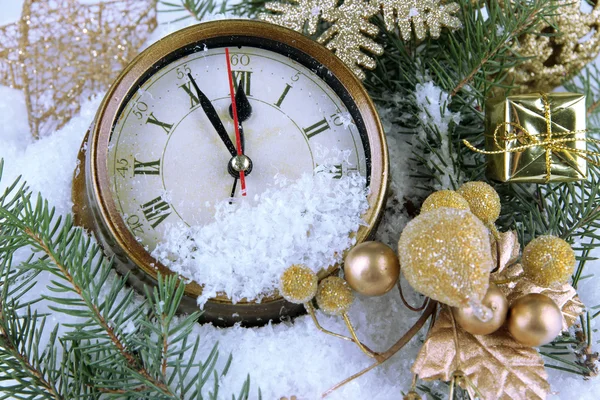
(110, 348)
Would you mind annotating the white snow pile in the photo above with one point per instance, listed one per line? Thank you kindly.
(248, 246)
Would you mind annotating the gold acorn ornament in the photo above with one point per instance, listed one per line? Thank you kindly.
(445, 254)
(444, 198)
(534, 320)
(496, 301)
(372, 268)
(548, 261)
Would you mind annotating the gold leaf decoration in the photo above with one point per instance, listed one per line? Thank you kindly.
(62, 52)
(564, 295)
(506, 251)
(496, 364)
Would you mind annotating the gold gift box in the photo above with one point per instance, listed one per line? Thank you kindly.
(538, 138)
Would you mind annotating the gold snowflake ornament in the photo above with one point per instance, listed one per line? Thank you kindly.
(351, 35)
(421, 14)
(62, 52)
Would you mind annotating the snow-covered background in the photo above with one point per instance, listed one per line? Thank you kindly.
(288, 358)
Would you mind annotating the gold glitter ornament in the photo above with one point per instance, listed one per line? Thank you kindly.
(496, 301)
(444, 198)
(62, 52)
(564, 48)
(420, 14)
(349, 35)
(412, 395)
(446, 255)
(534, 320)
(372, 268)
(483, 201)
(548, 261)
(334, 296)
(298, 284)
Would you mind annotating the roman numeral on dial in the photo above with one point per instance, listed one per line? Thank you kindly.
(317, 128)
(194, 100)
(156, 211)
(282, 98)
(242, 78)
(148, 168)
(153, 120)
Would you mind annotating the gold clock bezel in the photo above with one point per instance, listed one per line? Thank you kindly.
(94, 205)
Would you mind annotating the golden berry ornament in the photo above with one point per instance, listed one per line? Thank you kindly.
(372, 268)
(334, 296)
(483, 201)
(444, 198)
(534, 320)
(298, 284)
(548, 260)
(412, 395)
(494, 300)
(446, 255)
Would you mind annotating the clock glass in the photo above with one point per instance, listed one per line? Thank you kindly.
(168, 163)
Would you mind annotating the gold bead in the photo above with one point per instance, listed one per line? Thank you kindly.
(372, 268)
(446, 255)
(496, 301)
(534, 320)
(483, 201)
(548, 260)
(298, 284)
(444, 198)
(412, 395)
(334, 296)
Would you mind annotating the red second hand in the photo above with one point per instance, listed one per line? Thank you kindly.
(238, 139)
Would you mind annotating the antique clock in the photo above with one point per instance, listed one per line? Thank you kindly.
(163, 142)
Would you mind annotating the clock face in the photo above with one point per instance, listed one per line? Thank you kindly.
(167, 164)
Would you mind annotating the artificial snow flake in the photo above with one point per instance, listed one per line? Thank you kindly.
(350, 32)
(422, 14)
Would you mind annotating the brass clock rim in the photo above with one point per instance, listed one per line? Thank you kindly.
(113, 101)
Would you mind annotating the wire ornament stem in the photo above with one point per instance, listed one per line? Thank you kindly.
(383, 357)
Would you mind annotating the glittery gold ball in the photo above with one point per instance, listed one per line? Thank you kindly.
(534, 320)
(483, 200)
(412, 395)
(548, 260)
(446, 255)
(444, 198)
(334, 296)
(494, 300)
(298, 284)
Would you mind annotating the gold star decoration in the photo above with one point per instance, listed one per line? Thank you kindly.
(62, 52)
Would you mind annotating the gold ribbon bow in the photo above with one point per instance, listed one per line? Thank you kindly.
(550, 141)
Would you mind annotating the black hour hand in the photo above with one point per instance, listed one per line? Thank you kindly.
(213, 117)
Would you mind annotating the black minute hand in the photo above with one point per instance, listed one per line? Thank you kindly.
(213, 117)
